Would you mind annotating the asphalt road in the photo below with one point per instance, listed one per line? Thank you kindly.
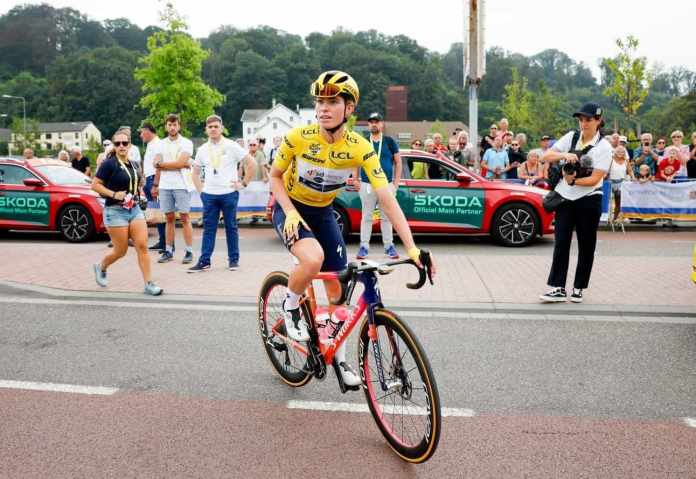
(197, 397)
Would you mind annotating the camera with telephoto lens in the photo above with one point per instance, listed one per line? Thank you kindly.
(582, 168)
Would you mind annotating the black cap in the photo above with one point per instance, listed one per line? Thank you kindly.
(545, 137)
(375, 116)
(146, 125)
(589, 110)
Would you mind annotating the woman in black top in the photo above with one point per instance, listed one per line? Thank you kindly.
(120, 183)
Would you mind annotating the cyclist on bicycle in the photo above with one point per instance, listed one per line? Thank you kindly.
(313, 164)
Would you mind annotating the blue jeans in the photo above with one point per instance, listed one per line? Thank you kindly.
(148, 194)
(212, 206)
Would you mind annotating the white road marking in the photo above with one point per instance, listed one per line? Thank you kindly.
(363, 408)
(61, 388)
(690, 421)
(124, 304)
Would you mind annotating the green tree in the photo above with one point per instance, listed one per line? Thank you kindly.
(95, 85)
(20, 140)
(171, 74)
(517, 103)
(630, 79)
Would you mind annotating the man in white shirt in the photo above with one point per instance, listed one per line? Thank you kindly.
(153, 153)
(173, 186)
(219, 158)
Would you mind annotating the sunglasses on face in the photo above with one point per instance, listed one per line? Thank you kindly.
(253, 144)
(515, 144)
(121, 143)
(418, 143)
(661, 142)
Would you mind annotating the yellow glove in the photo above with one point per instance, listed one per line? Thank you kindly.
(414, 254)
(291, 227)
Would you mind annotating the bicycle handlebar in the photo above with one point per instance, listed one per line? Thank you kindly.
(347, 277)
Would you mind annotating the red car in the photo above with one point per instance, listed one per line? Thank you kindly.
(455, 200)
(48, 195)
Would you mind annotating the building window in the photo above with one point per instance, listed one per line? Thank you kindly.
(48, 136)
(292, 118)
(309, 122)
(275, 125)
(405, 136)
(248, 131)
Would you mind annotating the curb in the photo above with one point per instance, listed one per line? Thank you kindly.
(544, 310)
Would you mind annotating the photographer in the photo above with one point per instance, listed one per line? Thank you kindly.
(119, 181)
(585, 158)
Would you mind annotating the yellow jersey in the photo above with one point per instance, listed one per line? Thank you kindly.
(316, 171)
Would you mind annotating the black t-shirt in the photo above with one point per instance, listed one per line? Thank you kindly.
(514, 156)
(118, 177)
(81, 165)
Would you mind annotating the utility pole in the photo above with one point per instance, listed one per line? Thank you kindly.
(474, 65)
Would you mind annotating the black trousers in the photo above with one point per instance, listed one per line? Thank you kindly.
(582, 216)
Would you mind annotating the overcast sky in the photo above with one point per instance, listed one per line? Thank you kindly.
(665, 31)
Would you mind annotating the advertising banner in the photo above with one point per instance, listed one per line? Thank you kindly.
(655, 200)
(25, 206)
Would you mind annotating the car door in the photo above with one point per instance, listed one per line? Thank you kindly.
(21, 206)
(438, 202)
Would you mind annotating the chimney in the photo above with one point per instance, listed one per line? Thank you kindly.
(396, 103)
(297, 107)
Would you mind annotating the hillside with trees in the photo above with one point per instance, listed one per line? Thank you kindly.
(70, 67)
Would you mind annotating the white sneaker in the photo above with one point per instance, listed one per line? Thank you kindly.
(349, 376)
(295, 326)
(554, 295)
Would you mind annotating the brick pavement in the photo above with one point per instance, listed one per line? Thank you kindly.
(462, 278)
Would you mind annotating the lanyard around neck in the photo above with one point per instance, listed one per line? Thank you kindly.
(379, 149)
(132, 180)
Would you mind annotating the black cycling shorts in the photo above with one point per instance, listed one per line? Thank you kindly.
(323, 228)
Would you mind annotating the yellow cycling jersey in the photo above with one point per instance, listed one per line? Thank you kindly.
(315, 171)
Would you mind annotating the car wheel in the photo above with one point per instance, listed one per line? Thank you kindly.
(75, 224)
(343, 222)
(515, 224)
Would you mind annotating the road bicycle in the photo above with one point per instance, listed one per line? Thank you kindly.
(397, 379)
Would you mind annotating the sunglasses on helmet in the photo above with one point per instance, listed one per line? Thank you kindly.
(328, 90)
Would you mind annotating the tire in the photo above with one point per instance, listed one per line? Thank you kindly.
(343, 222)
(515, 224)
(290, 365)
(390, 409)
(75, 224)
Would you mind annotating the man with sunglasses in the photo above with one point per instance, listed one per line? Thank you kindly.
(313, 165)
(173, 188)
(388, 152)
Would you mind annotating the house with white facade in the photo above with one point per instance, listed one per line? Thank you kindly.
(275, 121)
(66, 135)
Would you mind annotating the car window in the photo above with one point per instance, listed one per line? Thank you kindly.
(14, 175)
(63, 175)
(428, 169)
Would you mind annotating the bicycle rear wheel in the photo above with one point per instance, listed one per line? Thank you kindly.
(290, 365)
(408, 411)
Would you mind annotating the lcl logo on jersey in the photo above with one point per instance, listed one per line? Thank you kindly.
(315, 148)
(341, 155)
(378, 172)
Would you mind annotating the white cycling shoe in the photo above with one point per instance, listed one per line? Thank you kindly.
(295, 326)
(349, 376)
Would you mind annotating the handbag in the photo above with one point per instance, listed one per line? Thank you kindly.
(552, 201)
(154, 214)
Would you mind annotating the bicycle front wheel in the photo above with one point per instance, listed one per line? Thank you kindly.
(288, 363)
(406, 404)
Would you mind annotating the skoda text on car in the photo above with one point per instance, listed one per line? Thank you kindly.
(455, 200)
(48, 195)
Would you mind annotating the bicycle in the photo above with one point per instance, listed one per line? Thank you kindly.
(398, 382)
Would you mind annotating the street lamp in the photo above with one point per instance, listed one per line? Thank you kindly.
(24, 109)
